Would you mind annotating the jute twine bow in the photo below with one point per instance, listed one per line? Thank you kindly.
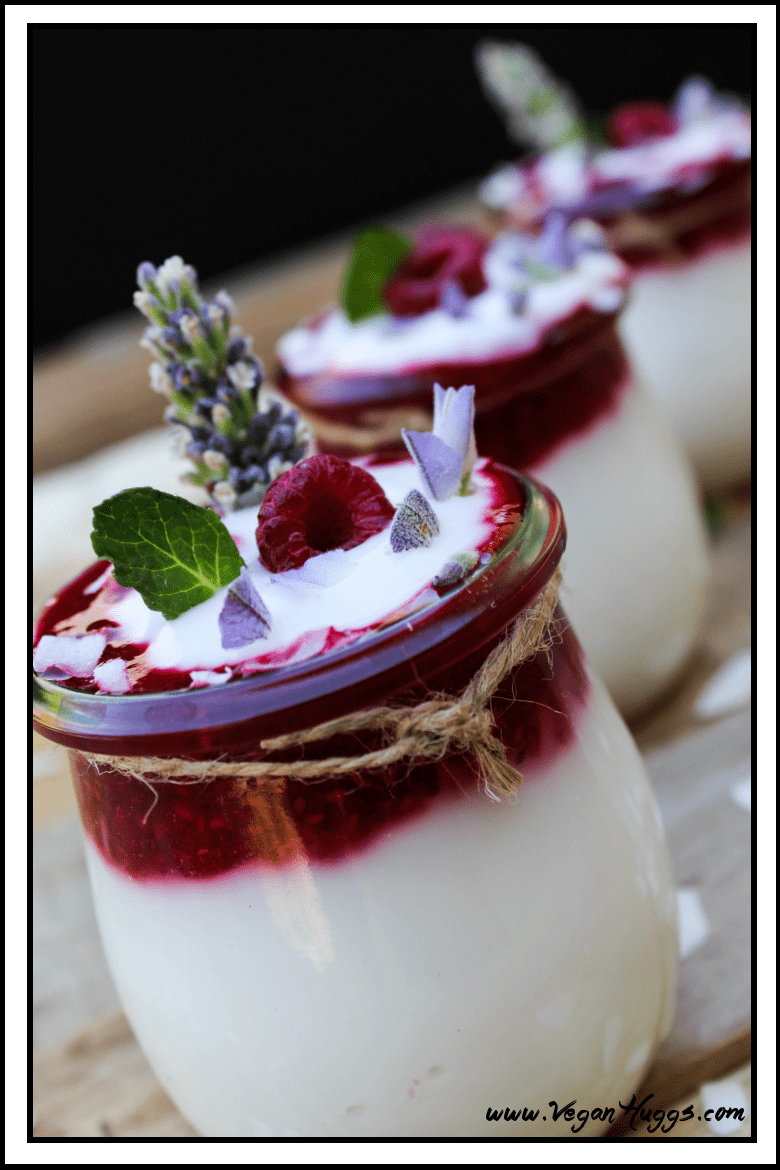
(434, 728)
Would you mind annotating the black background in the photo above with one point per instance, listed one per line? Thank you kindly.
(229, 143)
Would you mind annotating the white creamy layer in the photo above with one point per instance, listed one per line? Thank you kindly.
(659, 163)
(636, 565)
(565, 176)
(481, 954)
(343, 590)
(489, 327)
(688, 333)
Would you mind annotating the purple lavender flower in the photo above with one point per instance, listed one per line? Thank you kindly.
(206, 367)
(244, 617)
(415, 524)
(146, 274)
(236, 350)
(172, 336)
(453, 300)
(445, 457)
(553, 246)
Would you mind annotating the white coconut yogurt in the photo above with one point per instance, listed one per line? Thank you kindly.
(335, 591)
(689, 331)
(636, 567)
(490, 325)
(338, 1000)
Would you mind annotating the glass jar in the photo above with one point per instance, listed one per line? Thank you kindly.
(386, 954)
(685, 234)
(571, 412)
(688, 324)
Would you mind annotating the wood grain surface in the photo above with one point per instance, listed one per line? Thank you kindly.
(98, 1084)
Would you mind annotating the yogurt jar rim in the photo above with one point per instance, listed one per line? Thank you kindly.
(329, 685)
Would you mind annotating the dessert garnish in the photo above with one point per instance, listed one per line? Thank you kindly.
(443, 269)
(387, 272)
(244, 618)
(415, 524)
(375, 256)
(539, 109)
(637, 122)
(170, 557)
(445, 457)
(174, 553)
(572, 170)
(324, 503)
(66, 656)
(456, 569)
(519, 260)
(240, 437)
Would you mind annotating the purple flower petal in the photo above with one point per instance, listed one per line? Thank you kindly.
(553, 246)
(244, 617)
(415, 524)
(440, 466)
(453, 422)
(453, 300)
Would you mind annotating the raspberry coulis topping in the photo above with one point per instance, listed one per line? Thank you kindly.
(442, 257)
(199, 831)
(638, 122)
(206, 830)
(528, 404)
(321, 504)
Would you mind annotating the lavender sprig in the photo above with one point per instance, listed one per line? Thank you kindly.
(240, 438)
(539, 110)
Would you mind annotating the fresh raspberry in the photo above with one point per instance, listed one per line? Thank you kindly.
(441, 257)
(323, 503)
(631, 125)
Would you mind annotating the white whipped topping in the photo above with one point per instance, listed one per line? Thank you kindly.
(563, 177)
(655, 164)
(489, 328)
(342, 590)
(112, 677)
(74, 655)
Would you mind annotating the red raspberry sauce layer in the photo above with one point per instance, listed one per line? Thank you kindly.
(527, 404)
(204, 830)
(696, 222)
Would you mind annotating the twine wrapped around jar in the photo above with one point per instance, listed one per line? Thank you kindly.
(377, 429)
(432, 729)
(660, 233)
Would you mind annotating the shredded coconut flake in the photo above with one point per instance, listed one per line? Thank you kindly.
(76, 656)
(112, 677)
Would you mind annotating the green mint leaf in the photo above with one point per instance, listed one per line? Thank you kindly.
(376, 256)
(176, 554)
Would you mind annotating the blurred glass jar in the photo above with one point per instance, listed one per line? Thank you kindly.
(675, 206)
(390, 953)
(555, 396)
